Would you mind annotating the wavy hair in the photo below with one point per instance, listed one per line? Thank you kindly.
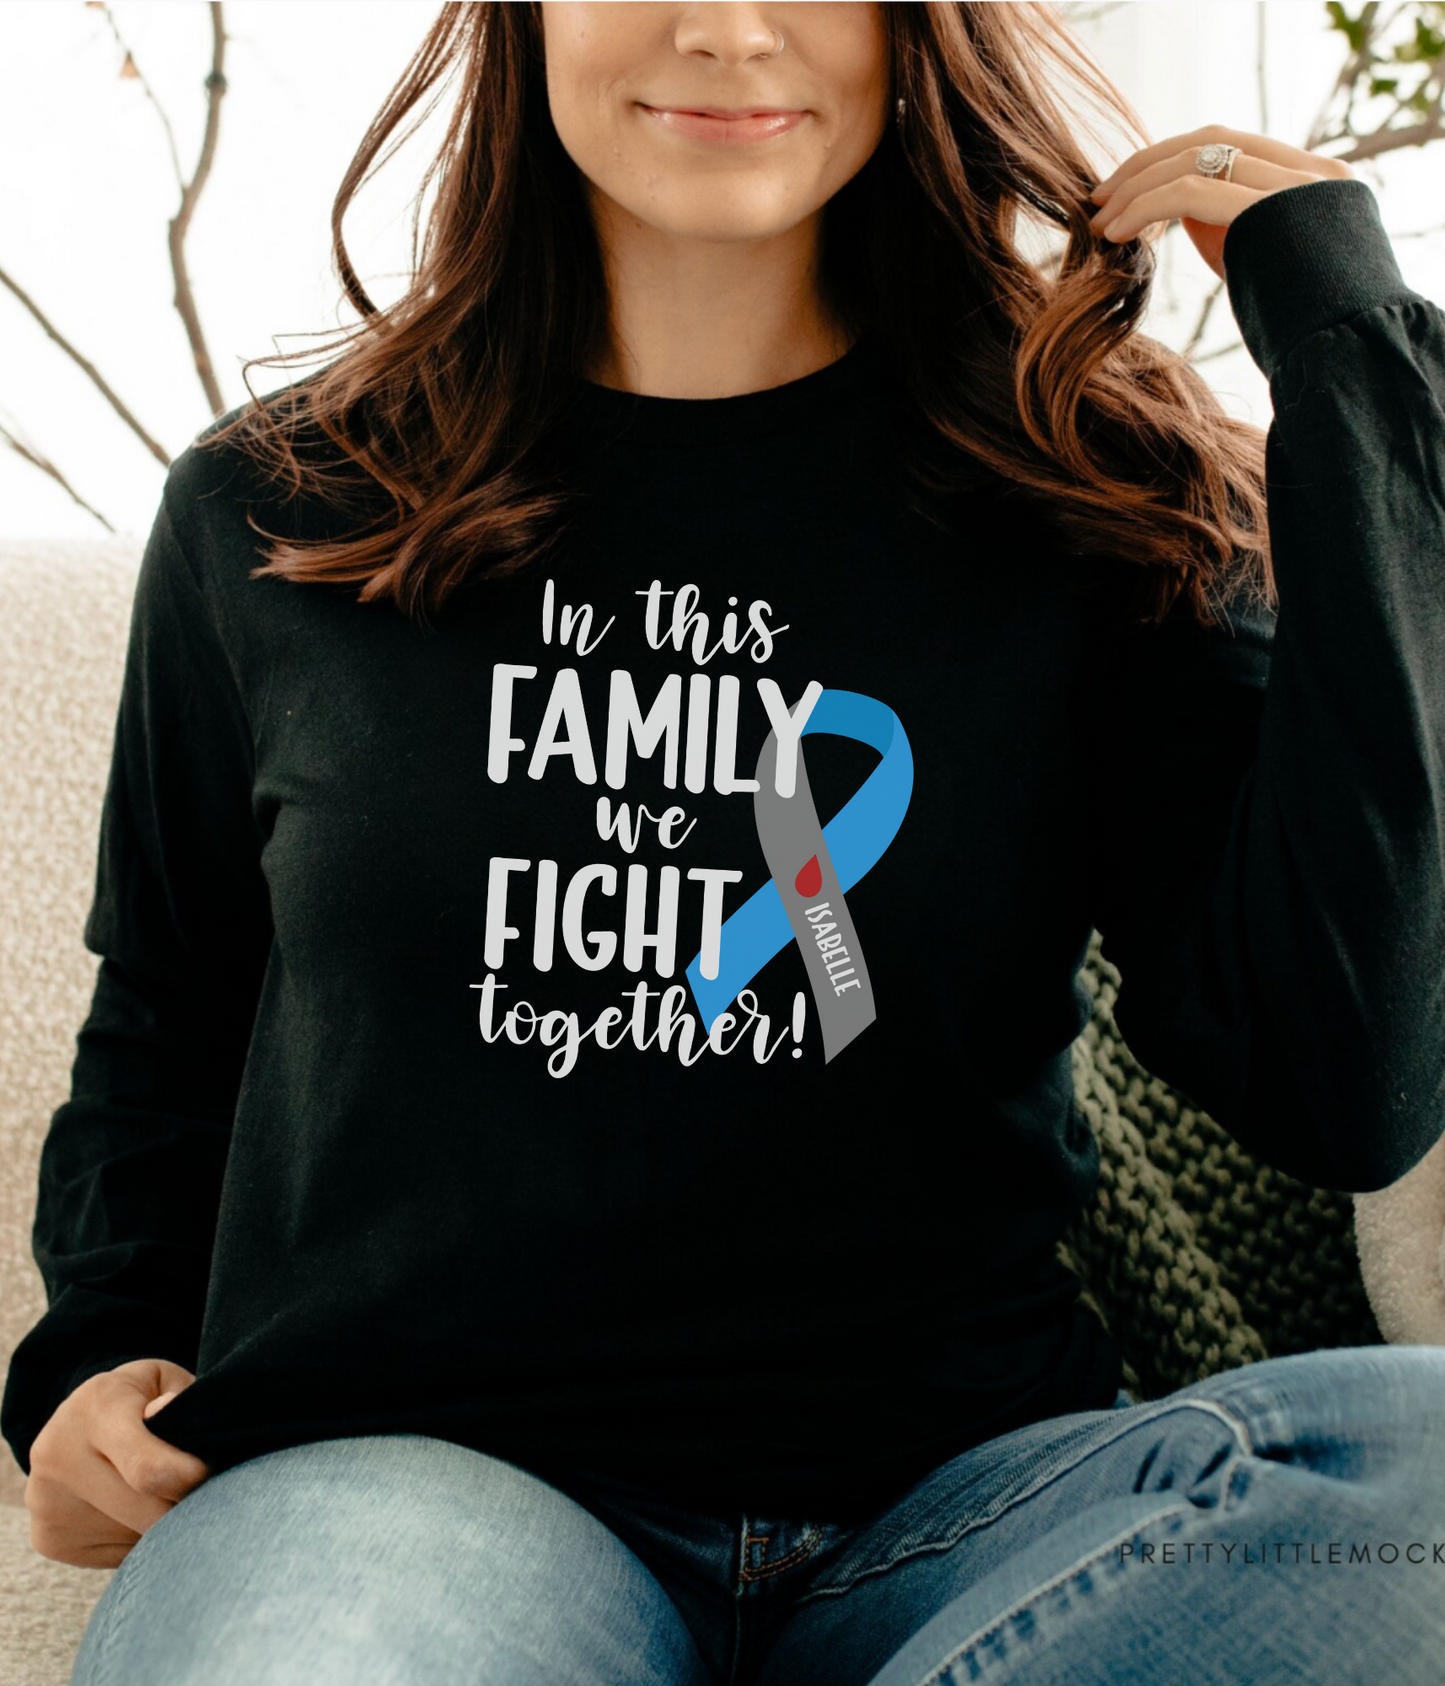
(443, 409)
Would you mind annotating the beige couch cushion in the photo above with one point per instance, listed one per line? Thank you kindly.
(64, 614)
(44, 1607)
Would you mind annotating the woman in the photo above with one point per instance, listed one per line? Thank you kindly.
(552, 1207)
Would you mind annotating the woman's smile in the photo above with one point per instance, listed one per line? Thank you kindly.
(722, 126)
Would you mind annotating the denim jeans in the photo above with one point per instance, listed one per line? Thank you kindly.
(1284, 1521)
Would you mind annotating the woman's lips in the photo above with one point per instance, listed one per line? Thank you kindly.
(727, 129)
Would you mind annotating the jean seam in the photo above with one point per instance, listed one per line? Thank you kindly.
(113, 1617)
(796, 1555)
(1093, 1555)
(947, 1541)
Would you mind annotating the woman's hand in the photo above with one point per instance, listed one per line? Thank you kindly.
(98, 1476)
(1159, 183)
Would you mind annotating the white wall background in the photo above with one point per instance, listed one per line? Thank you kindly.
(86, 191)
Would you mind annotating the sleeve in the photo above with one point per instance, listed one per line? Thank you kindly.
(1276, 911)
(132, 1163)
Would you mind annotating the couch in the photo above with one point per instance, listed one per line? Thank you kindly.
(1197, 1256)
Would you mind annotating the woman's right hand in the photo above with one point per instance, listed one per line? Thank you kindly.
(98, 1476)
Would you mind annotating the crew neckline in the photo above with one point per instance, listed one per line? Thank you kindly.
(648, 418)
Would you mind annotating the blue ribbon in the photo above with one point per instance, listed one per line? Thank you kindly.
(856, 837)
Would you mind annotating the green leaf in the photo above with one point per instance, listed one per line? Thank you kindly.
(1353, 29)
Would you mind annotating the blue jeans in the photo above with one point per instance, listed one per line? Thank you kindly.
(1282, 1522)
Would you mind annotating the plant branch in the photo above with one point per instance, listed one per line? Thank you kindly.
(1077, 14)
(1261, 65)
(88, 369)
(1219, 351)
(1356, 64)
(37, 459)
(1216, 292)
(1395, 140)
(132, 68)
(185, 299)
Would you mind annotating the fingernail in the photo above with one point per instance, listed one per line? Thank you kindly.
(155, 1404)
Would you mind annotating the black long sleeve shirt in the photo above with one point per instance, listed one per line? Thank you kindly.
(397, 1107)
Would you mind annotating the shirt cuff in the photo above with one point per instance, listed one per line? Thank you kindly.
(1305, 258)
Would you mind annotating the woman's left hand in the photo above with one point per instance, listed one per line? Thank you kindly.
(1160, 182)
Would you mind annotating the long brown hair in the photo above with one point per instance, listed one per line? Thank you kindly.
(440, 408)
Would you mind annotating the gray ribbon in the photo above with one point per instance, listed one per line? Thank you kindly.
(793, 846)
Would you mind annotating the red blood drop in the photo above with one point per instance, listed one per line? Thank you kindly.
(810, 880)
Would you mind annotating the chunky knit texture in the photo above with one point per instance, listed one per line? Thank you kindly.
(1196, 1255)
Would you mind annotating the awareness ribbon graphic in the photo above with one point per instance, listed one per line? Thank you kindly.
(812, 867)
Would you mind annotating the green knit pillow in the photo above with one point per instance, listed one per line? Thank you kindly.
(1198, 1257)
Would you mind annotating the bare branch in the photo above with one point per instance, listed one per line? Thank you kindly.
(1075, 13)
(1261, 65)
(1219, 351)
(148, 91)
(88, 369)
(185, 299)
(1395, 140)
(1215, 294)
(37, 459)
